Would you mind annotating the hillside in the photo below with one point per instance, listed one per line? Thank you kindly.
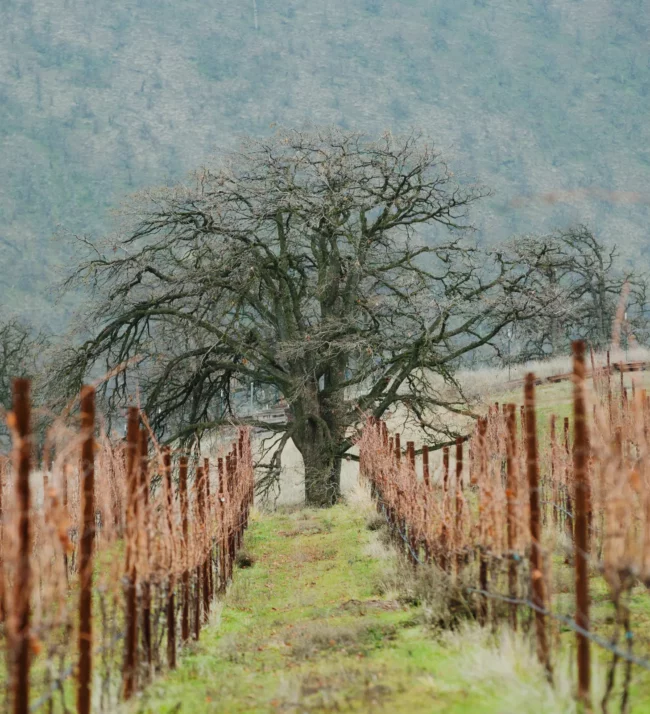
(546, 102)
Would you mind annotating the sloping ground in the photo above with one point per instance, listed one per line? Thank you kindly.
(310, 627)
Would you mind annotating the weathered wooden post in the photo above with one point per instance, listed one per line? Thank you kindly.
(222, 526)
(512, 488)
(144, 536)
(2, 536)
(203, 517)
(171, 604)
(86, 544)
(536, 560)
(23, 576)
(459, 500)
(229, 537)
(609, 390)
(425, 466)
(185, 584)
(198, 538)
(426, 478)
(554, 489)
(131, 638)
(459, 464)
(413, 547)
(410, 454)
(581, 485)
(210, 527)
(482, 479)
(64, 500)
(234, 531)
(623, 390)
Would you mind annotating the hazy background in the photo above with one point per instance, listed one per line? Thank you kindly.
(546, 101)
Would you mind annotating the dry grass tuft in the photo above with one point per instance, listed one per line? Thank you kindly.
(375, 522)
(350, 638)
(442, 599)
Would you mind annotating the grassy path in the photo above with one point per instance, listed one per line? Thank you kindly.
(304, 630)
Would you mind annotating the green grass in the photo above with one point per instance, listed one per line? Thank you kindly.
(306, 630)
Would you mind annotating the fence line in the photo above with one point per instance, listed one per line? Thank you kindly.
(590, 488)
(86, 530)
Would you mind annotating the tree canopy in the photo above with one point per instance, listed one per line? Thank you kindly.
(336, 269)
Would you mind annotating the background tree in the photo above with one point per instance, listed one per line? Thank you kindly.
(327, 266)
(588, 280)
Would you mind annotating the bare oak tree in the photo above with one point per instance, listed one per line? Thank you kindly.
(333, 268)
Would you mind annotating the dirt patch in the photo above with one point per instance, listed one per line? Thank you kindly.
(344, 690)
(314, 683)
(314, 555)
(363, 606)
(304, 528)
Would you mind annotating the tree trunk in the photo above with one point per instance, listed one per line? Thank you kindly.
(322, 470)
(316, 437)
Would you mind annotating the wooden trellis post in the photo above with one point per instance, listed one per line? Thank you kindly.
(144, 535)
(554, 489)
(459, 500)
(568, 521)
(483, 564)
(2, 535)
(203, 505)
(512, 495)
(197, 533)
(86, 544)
(231, 469)
(131, 639)
(536, 560)
(171, 605)
(425, 466)
(581, 484)
(185, 585)
(23, 576)
(410, 454)
(222, 526)
(459, 464)
(210, 526)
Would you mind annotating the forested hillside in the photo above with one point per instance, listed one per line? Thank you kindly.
(544, 101)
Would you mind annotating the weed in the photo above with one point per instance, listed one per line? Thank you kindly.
(244, 559)
(375, 522)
